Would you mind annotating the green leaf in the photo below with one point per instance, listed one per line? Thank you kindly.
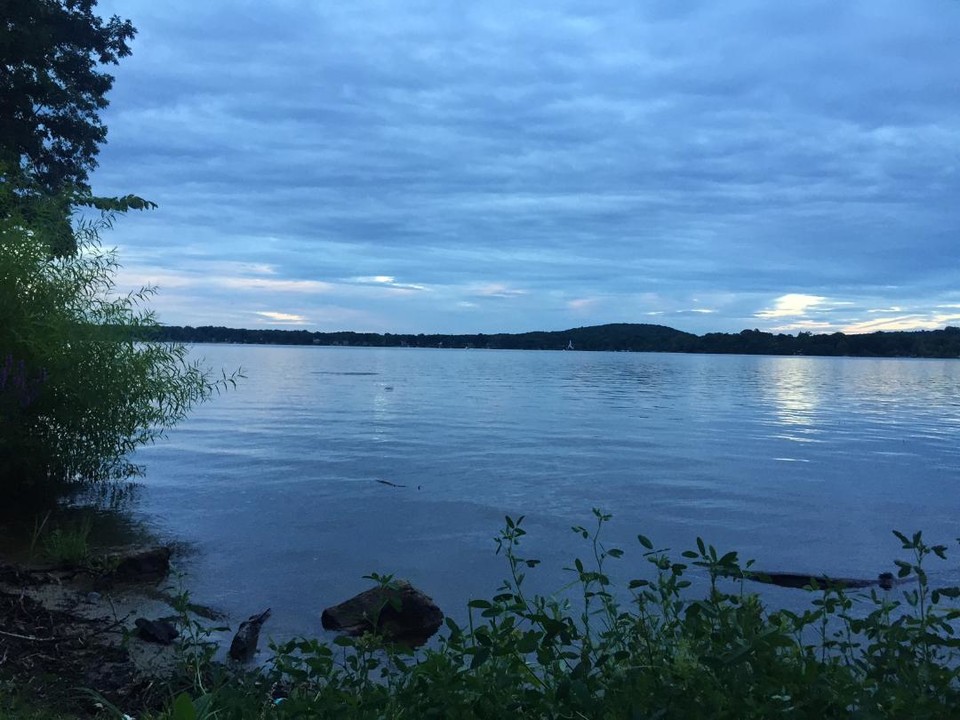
(183, 708)
(480, 657)
(905, 568)
(528, 643)
(952, 592)
(645, 541)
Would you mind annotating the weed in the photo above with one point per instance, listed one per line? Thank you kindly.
(645, 651)
(68, 544)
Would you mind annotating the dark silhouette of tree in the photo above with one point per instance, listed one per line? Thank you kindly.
(52, 90)
(625, 337)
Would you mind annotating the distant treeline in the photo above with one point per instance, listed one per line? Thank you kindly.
(628, 337)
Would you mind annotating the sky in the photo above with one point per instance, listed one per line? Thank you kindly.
(407, 167)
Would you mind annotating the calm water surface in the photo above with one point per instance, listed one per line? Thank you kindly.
(805, 464)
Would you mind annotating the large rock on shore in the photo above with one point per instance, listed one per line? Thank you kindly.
(399, 611)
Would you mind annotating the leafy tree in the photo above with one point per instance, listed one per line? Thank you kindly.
(52, 89)
(79, 387)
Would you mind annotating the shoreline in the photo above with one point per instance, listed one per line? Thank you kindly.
(68, 630)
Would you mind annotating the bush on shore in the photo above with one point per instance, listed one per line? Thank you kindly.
(79, 390)
(864, 654)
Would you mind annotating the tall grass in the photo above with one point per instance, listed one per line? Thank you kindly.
(68, 544)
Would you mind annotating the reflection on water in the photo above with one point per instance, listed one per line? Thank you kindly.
(805, 464)
(793, 389)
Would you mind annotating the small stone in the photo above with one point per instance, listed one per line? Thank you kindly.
(157, 631)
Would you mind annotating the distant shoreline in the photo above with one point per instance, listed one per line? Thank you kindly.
(621, 337)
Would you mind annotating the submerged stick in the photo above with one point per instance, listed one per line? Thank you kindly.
(801, 580)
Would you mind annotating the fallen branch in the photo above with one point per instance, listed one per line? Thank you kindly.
(31, 638)
(387, 482)
(109, 627)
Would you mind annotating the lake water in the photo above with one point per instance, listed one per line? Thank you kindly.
(804, 464)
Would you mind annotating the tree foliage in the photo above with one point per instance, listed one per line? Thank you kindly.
(79, 387)
(52, 89)
(620, 337)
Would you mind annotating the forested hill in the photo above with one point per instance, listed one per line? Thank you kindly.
(622, 337)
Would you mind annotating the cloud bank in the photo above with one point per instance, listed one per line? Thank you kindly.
(441, 167)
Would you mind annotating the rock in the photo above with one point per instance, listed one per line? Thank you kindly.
(244, 644)
(139, 565)
(400, 612)
(157, 631)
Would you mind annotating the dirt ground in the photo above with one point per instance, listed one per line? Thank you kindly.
(68, 641)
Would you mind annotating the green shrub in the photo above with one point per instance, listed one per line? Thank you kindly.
(79, 388)
(651, 651)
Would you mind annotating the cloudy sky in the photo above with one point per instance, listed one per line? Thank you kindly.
(508, 166)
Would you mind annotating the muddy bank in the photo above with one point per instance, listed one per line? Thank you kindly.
(65, 632)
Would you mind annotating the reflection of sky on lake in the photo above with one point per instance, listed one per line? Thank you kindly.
(276, 482)
(794, 394)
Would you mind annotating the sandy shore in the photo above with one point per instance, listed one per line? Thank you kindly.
(67, 631)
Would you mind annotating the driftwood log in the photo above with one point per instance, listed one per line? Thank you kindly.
(801, 580)
(244, 645)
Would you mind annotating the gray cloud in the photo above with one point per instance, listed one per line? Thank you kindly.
(596, 163)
